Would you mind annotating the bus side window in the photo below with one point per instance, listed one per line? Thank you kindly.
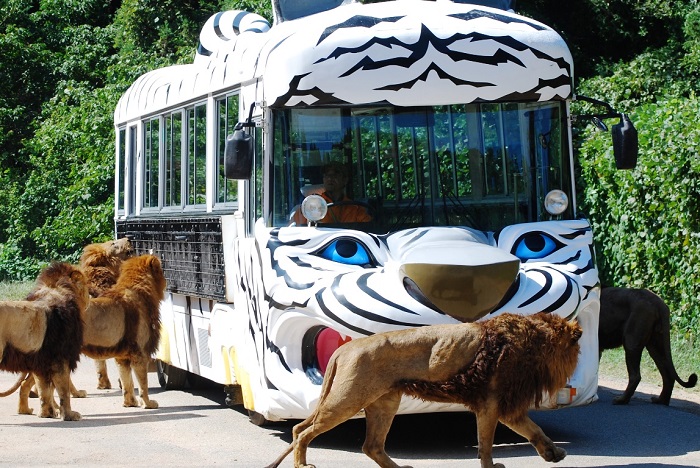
(228, 116)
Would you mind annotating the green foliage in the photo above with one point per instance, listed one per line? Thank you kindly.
(66, 62)
(602, 33)
(647, 220)
(14, 266)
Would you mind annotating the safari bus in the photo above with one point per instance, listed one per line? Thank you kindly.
(354, 169)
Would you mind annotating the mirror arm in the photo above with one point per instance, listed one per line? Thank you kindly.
(610, 114)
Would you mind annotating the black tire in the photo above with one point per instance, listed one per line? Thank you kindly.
(170, 377)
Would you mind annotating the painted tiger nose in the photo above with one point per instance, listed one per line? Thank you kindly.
(463, 281)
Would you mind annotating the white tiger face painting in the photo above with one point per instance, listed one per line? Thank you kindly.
(323, 287)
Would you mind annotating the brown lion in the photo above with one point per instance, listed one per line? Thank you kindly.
(498, 368)
(124, 323)
(638, 319)
(43, 334)
(101, 263)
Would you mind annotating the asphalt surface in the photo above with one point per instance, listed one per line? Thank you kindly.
(193, 428)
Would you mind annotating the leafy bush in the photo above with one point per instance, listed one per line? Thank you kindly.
(647, 220)
(15, 267)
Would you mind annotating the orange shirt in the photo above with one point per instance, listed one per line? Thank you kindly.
(337, 214)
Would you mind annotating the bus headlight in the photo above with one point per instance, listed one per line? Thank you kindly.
(314, 208)
(556, 202)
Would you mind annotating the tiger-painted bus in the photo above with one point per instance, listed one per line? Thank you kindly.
(450, 124)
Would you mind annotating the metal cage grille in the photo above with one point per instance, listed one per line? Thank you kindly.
(191, 250)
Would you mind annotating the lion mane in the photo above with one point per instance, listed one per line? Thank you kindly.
(124, 323)
(515, 363)
(101, 263)
(498, 368)
(43, 334)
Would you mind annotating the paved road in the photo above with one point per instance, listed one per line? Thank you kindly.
(193, 428)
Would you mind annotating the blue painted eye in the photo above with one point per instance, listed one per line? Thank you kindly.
(347, 251)
(535, 245)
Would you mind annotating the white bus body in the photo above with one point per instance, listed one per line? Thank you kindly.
(453, 122)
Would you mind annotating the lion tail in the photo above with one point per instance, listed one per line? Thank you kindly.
(325, 390)
(14, 388)
(282, 456)
(666, 349)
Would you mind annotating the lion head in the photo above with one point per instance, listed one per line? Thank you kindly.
(101, 263)
(61, 280)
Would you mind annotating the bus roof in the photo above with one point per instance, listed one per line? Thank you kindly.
(403, 53)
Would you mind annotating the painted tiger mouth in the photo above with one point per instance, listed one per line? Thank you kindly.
(317, 346)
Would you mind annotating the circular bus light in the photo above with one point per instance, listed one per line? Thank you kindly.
(314, 208)
(556, 202)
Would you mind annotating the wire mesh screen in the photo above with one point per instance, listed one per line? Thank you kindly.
(190, 249)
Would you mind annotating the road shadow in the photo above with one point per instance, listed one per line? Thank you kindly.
(638, 430)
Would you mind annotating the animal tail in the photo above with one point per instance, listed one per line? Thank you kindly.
(325, 390)
(666, 333)
(282, 456)
(14, 388)
(692, 381)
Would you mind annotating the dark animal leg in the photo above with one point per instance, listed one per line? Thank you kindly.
(633, 357)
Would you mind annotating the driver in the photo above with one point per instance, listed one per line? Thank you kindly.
(335, 178)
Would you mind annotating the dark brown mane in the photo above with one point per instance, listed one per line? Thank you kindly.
(101, 268)
(522, 364)
(64, 335)
(64, 332)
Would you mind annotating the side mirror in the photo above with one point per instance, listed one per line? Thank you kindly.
(238, 154)
(625, 143)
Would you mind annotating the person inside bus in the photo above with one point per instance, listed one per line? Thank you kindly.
(335, 179)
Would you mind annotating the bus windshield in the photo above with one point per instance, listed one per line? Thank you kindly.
(485, 165)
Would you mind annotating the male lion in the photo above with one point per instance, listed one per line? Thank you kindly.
(43, 334)
(124, 323)
(497, 368)
(638, 319)
(101, 263)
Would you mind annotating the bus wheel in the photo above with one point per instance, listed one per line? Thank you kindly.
(170, 377)
(257, 418)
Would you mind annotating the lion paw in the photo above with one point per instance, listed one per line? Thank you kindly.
(129, 403)
(104, 384)
(47, 413)
(150, 404)
(80, 394)
(660, 401)
(26, 410)
(72, 416)
(554, 454)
